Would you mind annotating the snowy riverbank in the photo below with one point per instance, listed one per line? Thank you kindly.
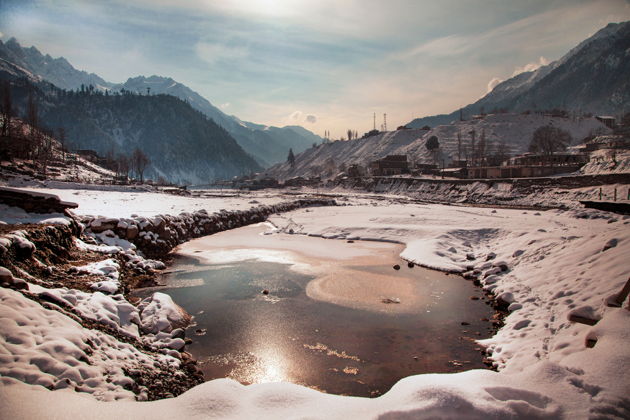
(544, 265)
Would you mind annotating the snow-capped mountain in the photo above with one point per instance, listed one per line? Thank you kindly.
(593, 77)
(57, 71)
(268, 145)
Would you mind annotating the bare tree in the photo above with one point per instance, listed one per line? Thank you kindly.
(32, 118)
(122, 165)
(433, 146)
(139, 161)
(61, 135)
(481, 148)
(7, 109)
(548, 139)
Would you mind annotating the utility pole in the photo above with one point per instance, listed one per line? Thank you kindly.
(384, 122)
(472, 134)
(375, 121)
(459, 146)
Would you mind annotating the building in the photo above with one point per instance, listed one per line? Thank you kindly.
(89, 155)
(607, 120)
(355, 170)
(530, 165)
(557, 159)
(390, 165)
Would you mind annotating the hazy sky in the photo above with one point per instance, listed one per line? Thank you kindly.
(323, 64)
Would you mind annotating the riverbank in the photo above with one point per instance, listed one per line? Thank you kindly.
(85, 272)
(545, 265)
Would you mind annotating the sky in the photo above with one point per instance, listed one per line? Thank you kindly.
(323, 64)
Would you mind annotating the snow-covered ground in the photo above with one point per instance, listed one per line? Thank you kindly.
(546, 265)
(119, 201)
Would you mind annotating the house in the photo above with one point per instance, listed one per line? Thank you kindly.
(89, 155)
(424, 168)
(607, 120)
(355, 170)
(530, 165)
(390, 165)
(557, 159)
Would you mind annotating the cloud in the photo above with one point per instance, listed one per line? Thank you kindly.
(493, 83)
(298, 117)
(214, 53)
(542, 61)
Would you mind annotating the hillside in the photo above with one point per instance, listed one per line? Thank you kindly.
(268, 145)
(594, 77)
(512, 132)
(184, 146)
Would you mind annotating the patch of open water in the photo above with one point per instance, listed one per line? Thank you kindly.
(285, 335)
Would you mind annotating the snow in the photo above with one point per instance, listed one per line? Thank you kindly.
(160, 314)
(16, 215)
(124, 202)
(513, 130)
(113, 311)
(608, 161)
(48, 348)
(545, 265)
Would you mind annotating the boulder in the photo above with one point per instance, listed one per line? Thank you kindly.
(132, 232)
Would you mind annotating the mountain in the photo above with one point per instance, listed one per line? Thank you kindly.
(268, 145)
(182, 144)
(56, 70)
(593, 77)
(503, 133)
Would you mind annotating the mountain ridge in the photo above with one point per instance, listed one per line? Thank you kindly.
(267, 147)
(600, 81)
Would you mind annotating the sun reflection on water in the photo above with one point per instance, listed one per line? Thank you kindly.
(269, 367)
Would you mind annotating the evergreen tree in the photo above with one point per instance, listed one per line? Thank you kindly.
(291, 158)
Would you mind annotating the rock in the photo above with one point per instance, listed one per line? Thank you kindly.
(350, 241)
(490, 272)
(265, 292)
(390, 300)
(464, 323)
(610, 244)
(502, 265)
(474, 298)
(20, 284)
(103, 224)
(396, 267)
(178, 333)
(5, 275)
(132, 232)
(410, 264)
(491, 256)
(470, 256)
(504, 300)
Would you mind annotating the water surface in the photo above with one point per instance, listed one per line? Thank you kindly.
(251, 337)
